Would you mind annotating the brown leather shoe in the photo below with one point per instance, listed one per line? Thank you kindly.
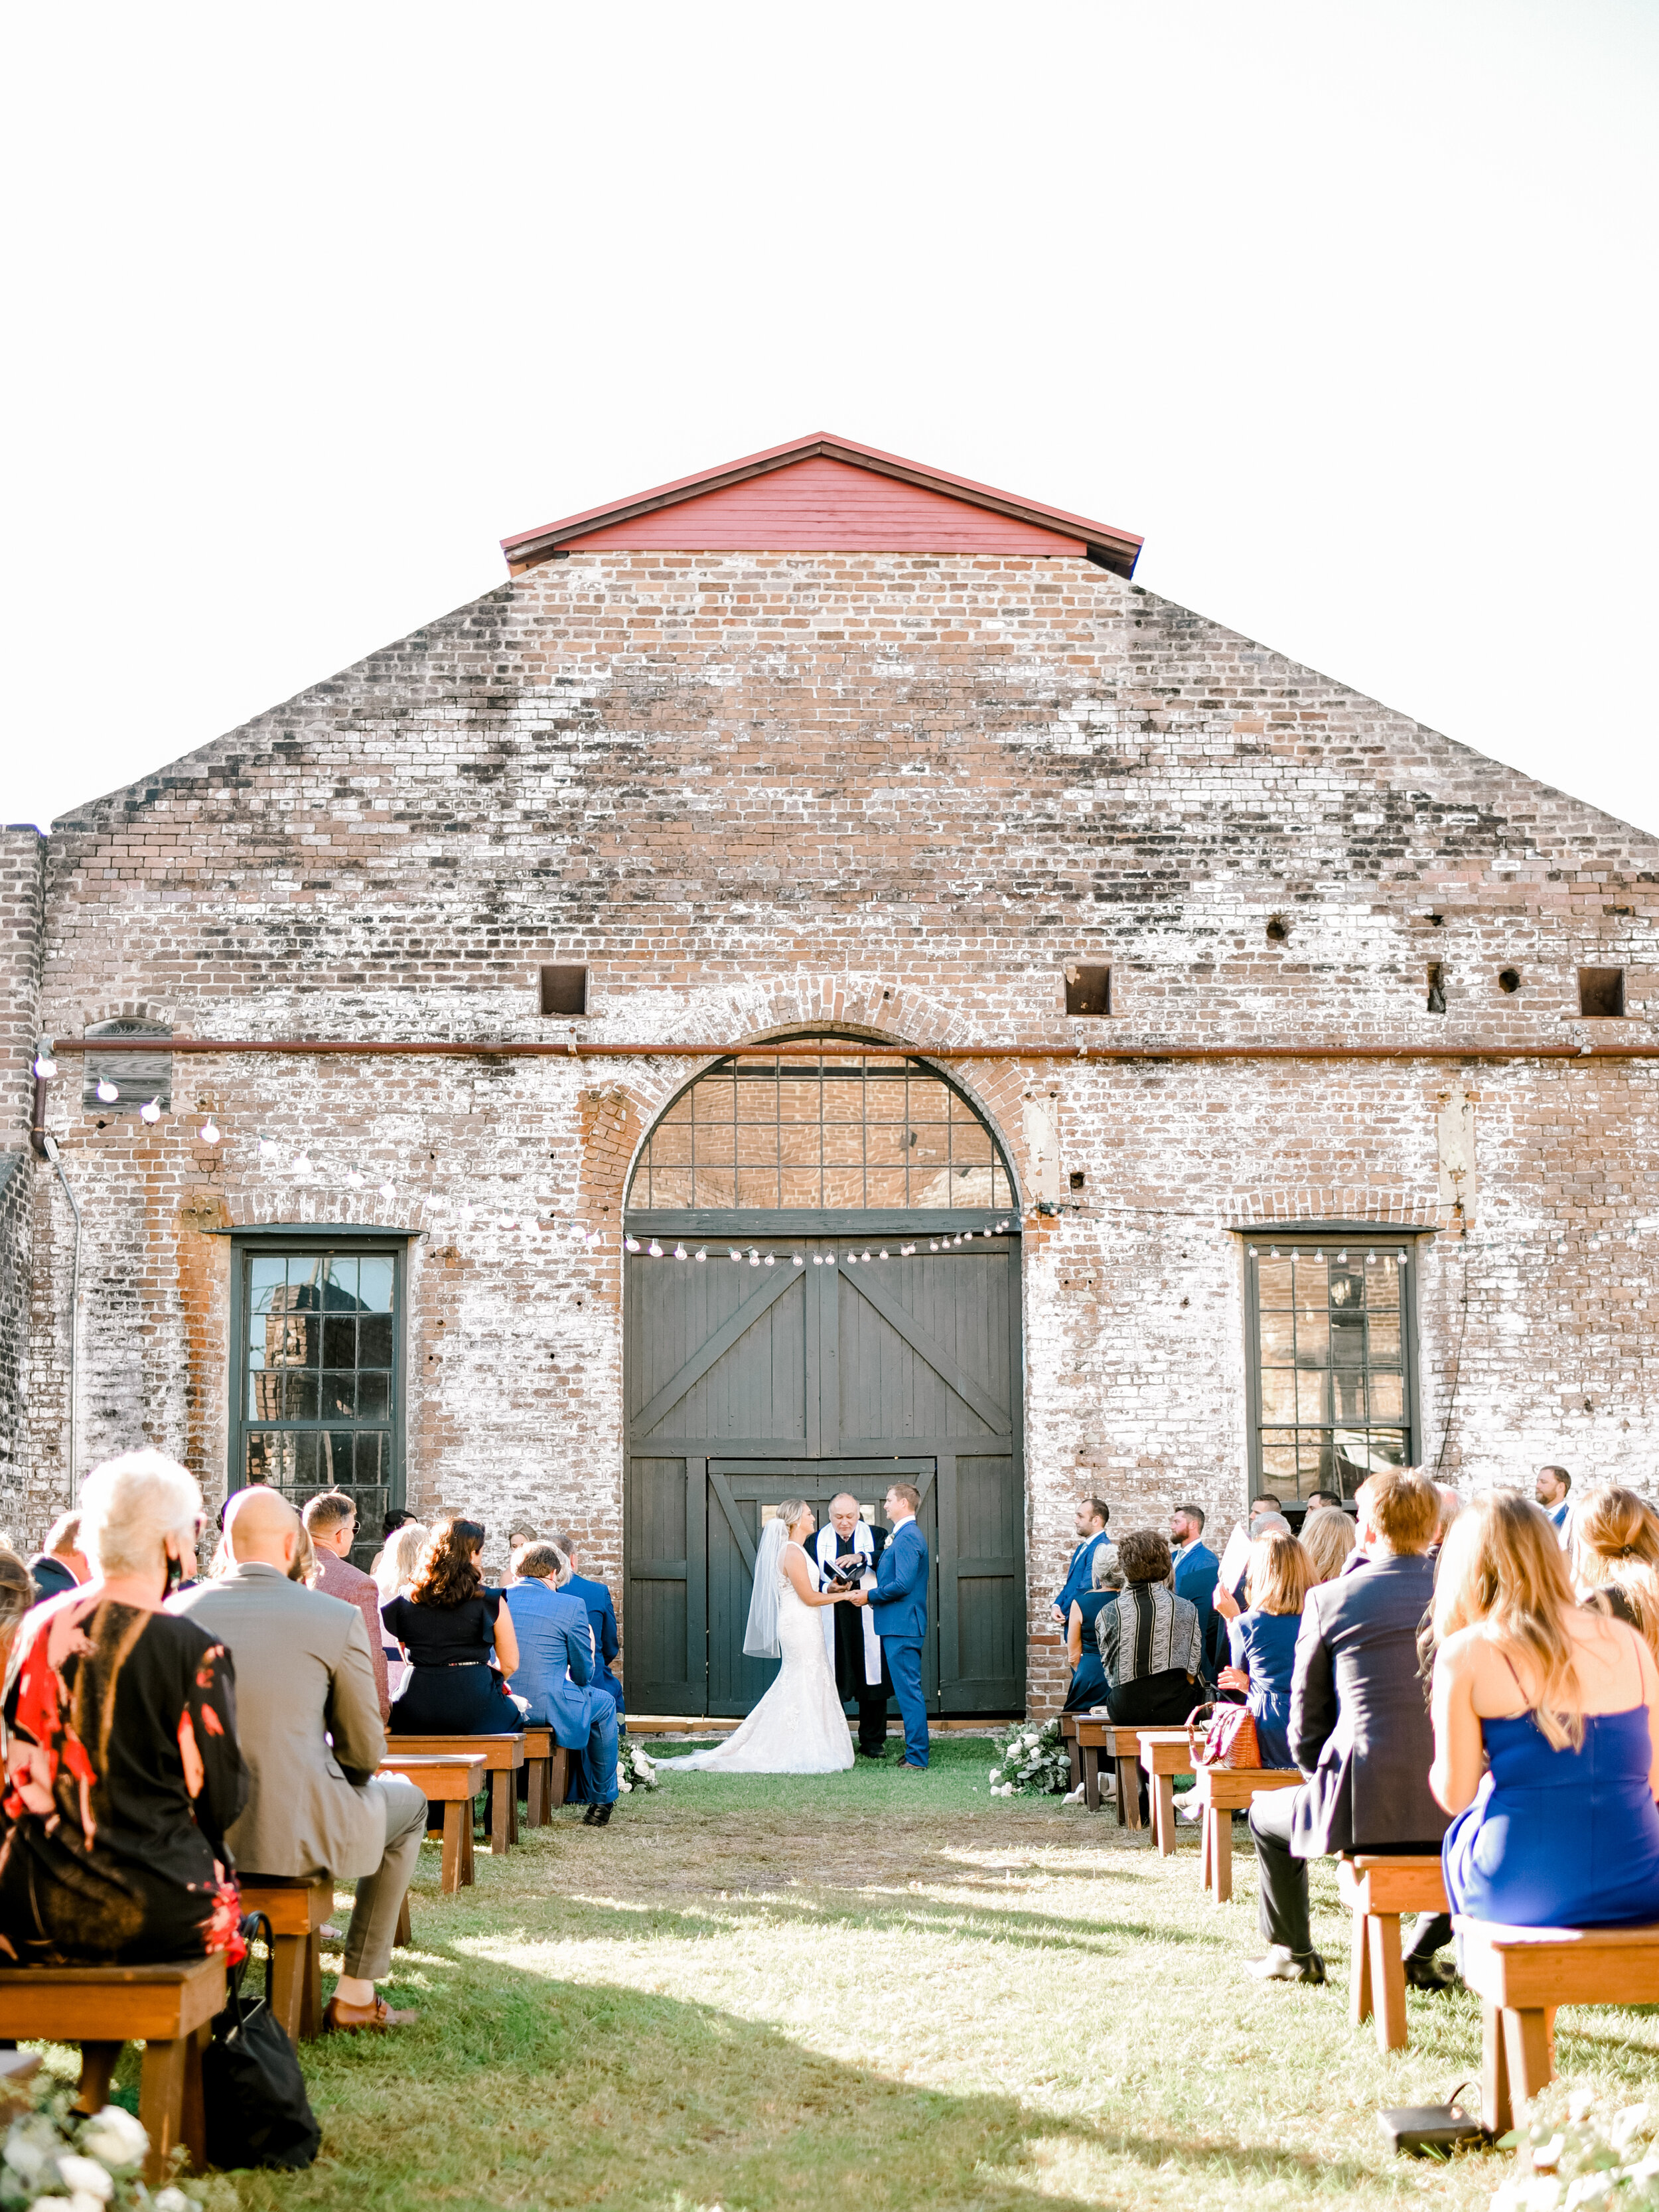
(910, 1766)
(347, 2019)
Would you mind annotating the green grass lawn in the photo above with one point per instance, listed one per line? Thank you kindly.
(870, 1991)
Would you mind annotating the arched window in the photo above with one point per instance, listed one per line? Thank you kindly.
(820, 1126)
(135, 1078)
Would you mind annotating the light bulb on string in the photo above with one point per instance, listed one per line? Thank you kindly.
(679, 1252)
(933, 1245)
(45, 1065)
(801, 1260)
(959, 1240)
(883, 1251)
(817, 1258)
(1404, 1255)
(771, 1259)
(632, 1243)
(867, 1257)
(267, 1152)
(1341, 1258)
(209, 1132)
(468, 1212)
(150, 1111)
(388, 1191)
(905, 1251)
(655, 1250)
(108, 1094)
(594, 1236)
(353, 1181)
(849, 1259)
(736, 1254)
(703, 1251)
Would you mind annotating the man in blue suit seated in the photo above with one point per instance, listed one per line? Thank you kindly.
(898, 1605)
(1196, 1567)
(557, 1672)
(1092, 1514)
(602, 1614)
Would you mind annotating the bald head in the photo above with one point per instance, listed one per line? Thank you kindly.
(261, 1525)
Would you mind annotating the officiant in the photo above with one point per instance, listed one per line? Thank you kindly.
(849, 1634)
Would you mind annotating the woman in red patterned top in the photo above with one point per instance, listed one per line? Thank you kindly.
(123, 1771)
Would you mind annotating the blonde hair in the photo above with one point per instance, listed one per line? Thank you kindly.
(1327, 1537)
(1403, 1506)
(1616, 1549)
(394, 1568)
(1279, 1575)
(1502, 1568)
(792, 1511)
(129, 1508)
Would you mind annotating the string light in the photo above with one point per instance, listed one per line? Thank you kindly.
(799, 1260)
(388, 1191)
(108, 1094)
(754, 1257)
(151, 1112)
(45, 1065)
(933, 1245)
(209, 1132)
(905, 1251)
(656, 1249)
(267, 1152)
(771, 1259)
(703, 1252)
(679, 1251)
(633, 1244)
(883, 1251)
(736, 1254)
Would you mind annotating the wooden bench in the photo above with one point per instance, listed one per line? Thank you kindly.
(169, 2009)
(1377, 1889)
(1165, 1753)
(547, 1776)
(1068, 1728)
(1221, 1791)
(452, 1779)
(296, 1910)
(503, 1755)
(1522, 1974)
(1100, 1740)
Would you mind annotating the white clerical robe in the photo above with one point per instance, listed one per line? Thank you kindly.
(826, 1549)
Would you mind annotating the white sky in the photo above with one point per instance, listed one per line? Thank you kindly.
(1348, 308)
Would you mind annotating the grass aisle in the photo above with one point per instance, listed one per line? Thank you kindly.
(868, 1990)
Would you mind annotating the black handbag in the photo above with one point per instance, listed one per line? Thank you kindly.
(253, 2094)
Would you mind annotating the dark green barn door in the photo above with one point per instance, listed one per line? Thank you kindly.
(795, 1372)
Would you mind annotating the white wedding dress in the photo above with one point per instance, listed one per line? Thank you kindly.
(799, 1727)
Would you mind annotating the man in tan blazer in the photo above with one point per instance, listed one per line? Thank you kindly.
(302, 1668)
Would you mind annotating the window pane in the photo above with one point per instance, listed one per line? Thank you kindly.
(1385, 1338)
(757, 1187)
(1278, 1339)
(374, 1282)
(671, 1148)
(374, 1396)
(300, 1397)
(802, 1186)
(1278, 1393)
(1313, 1339)
(339, 1393)
(1348, 1393)
(374, 1341)
(1279, 1456)
(885, 1096)
(267, 1277)
(885, 1187)
(1347, 1289)
(1388, 1395)
(1347, 1340)
(1312, 1395)
(1312, 1284)
(337, 1456)
(340, 1283)
(339, 1342)
(715, 1187)
(844, 1186)
(886, 1144)
(1274, 1284)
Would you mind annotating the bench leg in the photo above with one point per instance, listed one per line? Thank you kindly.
(405, 1935)
(192, 2126)
(535, 1798)
(1089, 1760)
(1219, 1820)
(162, 2103)
(466, 1850)
(1529, 2045)
(558, 1777)
(287, 1980)
(511, 1808)
(1074, 1760)
(1359, 1972)
(97, 2070)
(1164, 1819)
(457, 1833)
(1388, 1981)
(310, 1991)
(1496, 2106)
(1128, 1793)
(503, 1794)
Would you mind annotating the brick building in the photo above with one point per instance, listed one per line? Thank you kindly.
(1164, 1072)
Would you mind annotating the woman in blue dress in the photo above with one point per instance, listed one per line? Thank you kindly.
(1546, 1734)
(1263, 1640)
(1088, 1675)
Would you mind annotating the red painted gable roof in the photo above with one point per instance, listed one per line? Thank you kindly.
(824, 494)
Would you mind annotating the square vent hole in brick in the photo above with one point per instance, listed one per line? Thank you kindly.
(1088, 991)
(564, 990)
(1602, 992)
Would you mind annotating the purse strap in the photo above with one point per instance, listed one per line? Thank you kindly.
(251, 1923)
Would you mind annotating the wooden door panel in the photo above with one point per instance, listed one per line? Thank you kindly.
(981, 1660)
(664, 1601)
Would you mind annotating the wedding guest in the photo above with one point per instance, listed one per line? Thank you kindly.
(1326, 1537)
(394, 1518)
(313, 1738)
(1551, 1490)
(17, 1596)
(451, 1625)
(1230, 1603)
(1151, 1651)
(556, 1667)
(1451, 1504)
(1196, 1568)
(123, 1773)
(1546, 1734)
(60, 1563)
(1318, 1500)
(1088, 1676)
(394, 1577)
(331, 1522)
(1092, 1514)
(1615, 1558)
(603, 1616)
(1357, 1728)
(302, 1567)
(1263, 1640)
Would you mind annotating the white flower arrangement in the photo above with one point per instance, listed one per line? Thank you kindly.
(634, 1770)
(1576, 2155)
(1032, 1762)
(57, 2161)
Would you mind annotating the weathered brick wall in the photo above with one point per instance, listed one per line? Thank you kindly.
(22, 875)
(898, 793)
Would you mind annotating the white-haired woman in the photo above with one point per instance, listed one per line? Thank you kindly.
(123, 1771)
(797, 1727)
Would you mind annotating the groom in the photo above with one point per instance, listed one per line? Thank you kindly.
(898, 1605)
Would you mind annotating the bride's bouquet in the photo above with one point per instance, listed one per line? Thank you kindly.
(1032, 1762)
(634, 1770)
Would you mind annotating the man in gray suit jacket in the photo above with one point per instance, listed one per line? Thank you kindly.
(302, 1668)
(1359, 1723)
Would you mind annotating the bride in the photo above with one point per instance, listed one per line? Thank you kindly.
(799, 1727)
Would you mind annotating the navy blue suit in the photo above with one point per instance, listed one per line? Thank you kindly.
(1080, 1575)
(1195, 1579)
(602, 1616)
(898, 1605)
(557, 1672)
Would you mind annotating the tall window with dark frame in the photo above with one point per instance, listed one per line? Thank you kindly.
(1331, 1356)
(317, 1386)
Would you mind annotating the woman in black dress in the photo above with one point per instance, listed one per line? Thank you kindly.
(450, 1624)
(122, 1767)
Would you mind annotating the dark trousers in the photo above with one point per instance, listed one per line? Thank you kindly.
(904, 1665)
(873, 1716)
(1281, 1903)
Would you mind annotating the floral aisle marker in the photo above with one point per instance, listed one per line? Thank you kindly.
(1032, 1762)
(73, 2163)
(634, 1770)
(1576, 2148)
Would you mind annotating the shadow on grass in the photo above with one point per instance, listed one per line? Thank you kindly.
(521, 2089)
